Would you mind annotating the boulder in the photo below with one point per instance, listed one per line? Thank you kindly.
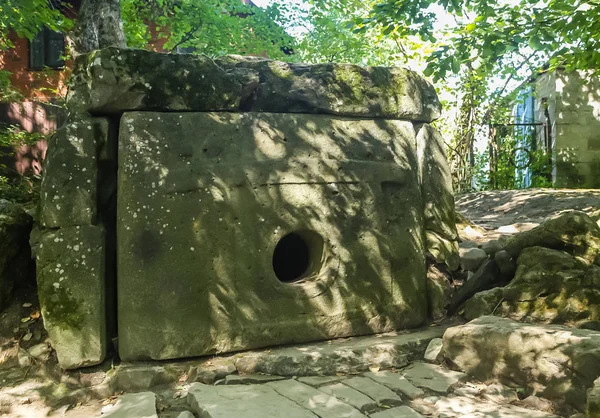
(573, 232)
(593, 400)
(482, 303)
(471, 258)
(439, 290)
(15, 259)
(114, 80)
(555, 362)
(505, 263)
(486, 277)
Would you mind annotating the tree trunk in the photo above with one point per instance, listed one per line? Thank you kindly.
(99, 25)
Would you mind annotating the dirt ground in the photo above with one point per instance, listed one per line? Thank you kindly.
(37, 387)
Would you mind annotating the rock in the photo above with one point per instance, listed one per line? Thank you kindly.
(15, 262)
(39, 351)
(23, 358)
(140, 377)
(115, 80)
(340, 356)
(376, 391)
(134, 405)
(559, 363)
(397, 383)
(351, 396)
(593, 400)
(467, 230)
(439, 290)
(486, 277)
(399, 412)
(471, 258)
(186, 414)
(492, 247)
(432, 377)
(434, 353)
(441, 235)
(236, 379)
(71, 288)
(312, 399)
(253, 401)
(552, 286)
(69, 185)
(573, 232)
(467, 407)
(320, 380)
(210, 374)
(270, 313)
(483, 303)
(505, 263)
(501, 394)
(536, 403)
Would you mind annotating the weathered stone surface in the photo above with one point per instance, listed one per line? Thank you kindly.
(15, 226)
(70, 275)
(350, 396)
(593, 400)
(69, 195)
(320, 380)
(474, 408)
(236, 379)
(439, 290)
(376, 391)
(399, 412)
(557, 362)
(573, 232)
(340, 356)
(397, 383)
(471, 258)
(552, 286)
(505, 263)
(134, 405)
(117, 80)
(254, 401)
(199, 222)
(140, 377)
(434, 352)
(483, 303)
(210, 374)
(322, 404)
(186, 414)
(441, 236)
(432, 377)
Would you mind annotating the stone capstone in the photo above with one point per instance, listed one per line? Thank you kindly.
(15, 264)
(71, 288)
(555, 362)
(114, 80)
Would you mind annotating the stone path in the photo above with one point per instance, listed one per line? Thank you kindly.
(422, 389)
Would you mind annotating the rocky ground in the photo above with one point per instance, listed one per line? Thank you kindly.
(538, 356)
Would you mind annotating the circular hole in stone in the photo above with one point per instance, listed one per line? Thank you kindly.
(297, 256)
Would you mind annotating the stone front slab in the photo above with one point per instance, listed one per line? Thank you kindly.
(397, 383)
(204, 200)
(322, 404)
(255, 401)
(557, 362)
(71, 285)
(340, 356)
(69, 195)
(134, 405)
(351, 396)
(115, 80)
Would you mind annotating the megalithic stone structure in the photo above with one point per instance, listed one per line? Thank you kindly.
(194, 206)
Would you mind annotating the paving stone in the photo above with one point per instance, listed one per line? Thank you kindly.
(320, 380)
(474, 408)
(322, 404)
(236, 379)
(349, 355)
(351, 396)
(397, 383)
(433, 377)
(380, 393)
(134, 405)
(400, 412)
(249, 401)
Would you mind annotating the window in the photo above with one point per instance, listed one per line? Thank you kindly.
(46, 49)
